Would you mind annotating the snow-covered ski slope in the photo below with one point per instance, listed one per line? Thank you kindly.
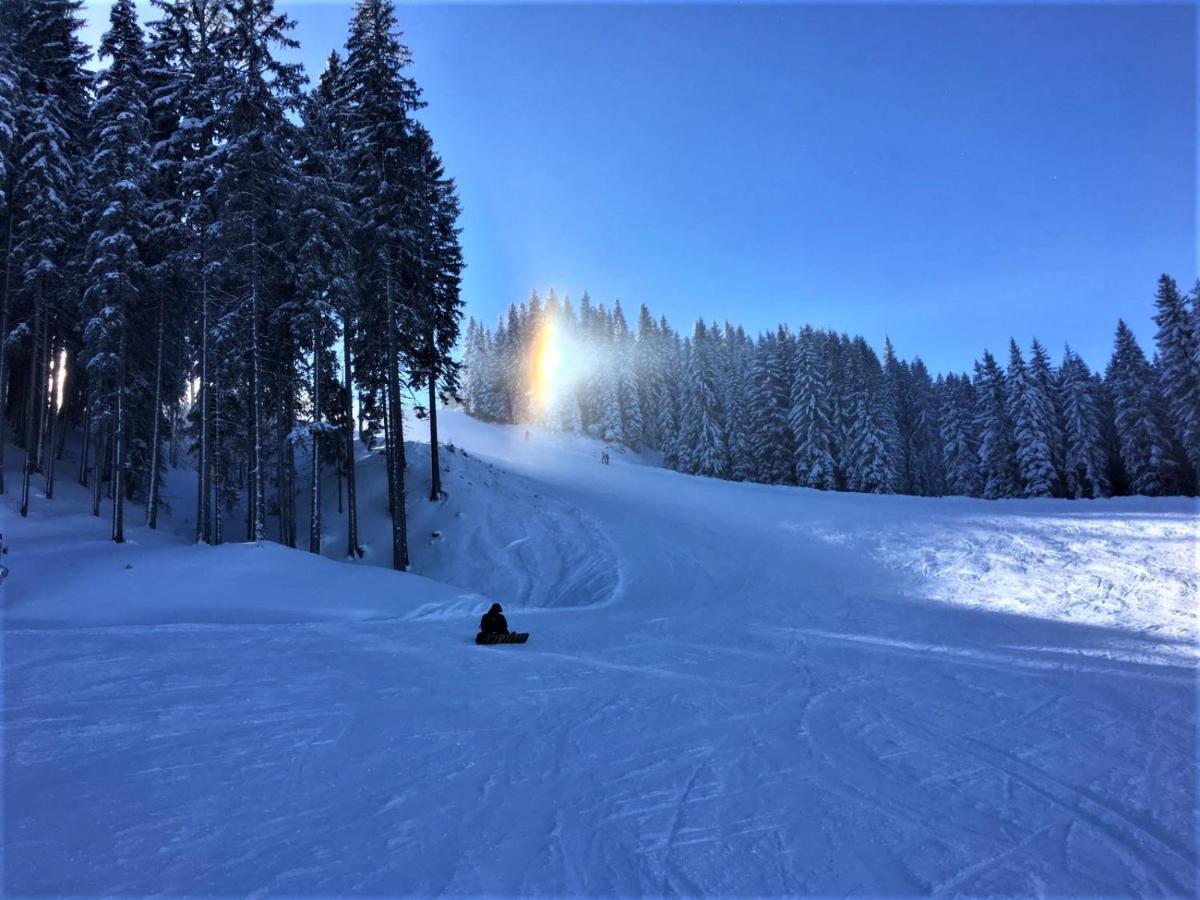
(729, 689)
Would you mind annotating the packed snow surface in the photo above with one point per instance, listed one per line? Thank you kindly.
(729, 689)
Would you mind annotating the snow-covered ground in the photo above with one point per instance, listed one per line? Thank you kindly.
(729, 689)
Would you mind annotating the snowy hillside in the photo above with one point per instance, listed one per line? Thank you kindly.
(729, 688)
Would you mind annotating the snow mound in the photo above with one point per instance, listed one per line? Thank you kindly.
(492, 532)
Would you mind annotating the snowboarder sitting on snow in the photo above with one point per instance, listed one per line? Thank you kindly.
(493, 621)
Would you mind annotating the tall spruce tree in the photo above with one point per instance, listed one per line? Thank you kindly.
(1144, 447)
(997, 447)
(12, 102)
(119, 222)
(810, 415)
(323, 278)
(1085, 466)
(959, 438)
(773, 443)
(188, 81)
(1031, 414)
(1179, 363)
(383, 162)
(256, 187)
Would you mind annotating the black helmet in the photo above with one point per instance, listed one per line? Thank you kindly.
(495, 608)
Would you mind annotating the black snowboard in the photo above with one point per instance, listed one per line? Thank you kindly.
(516, 637)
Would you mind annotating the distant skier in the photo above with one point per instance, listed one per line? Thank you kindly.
(493, 621)
(604, 457)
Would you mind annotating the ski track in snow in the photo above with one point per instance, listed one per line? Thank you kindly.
(730, 689)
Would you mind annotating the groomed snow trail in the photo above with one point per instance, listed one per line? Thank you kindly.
(730, 689)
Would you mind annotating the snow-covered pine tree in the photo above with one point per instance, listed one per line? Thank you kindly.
(626, 380)
(809, 416)
(512, 359)
(256, 187)
(926, 469)
(1030, 411)
(12, 101)
(1179, 363)
(381, 98)
(323, 279)
(438, 264)
(51, 128)
(119, 220)
(1045, 379)
(959, 439)
(472, 361)
(997, 449)
(43, 247)
(703, 431)
(1085, 461)
(648, 374)
(844, 385)
(896, 378)
(773, 444)
(187, 80)
(737, 352)
(873, 433)
(1144, 446)
(671, 360)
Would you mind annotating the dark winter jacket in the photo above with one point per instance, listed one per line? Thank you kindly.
(493, 621)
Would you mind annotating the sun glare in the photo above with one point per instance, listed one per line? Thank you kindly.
(547, 363)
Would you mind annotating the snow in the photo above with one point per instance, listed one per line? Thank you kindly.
(729, 689)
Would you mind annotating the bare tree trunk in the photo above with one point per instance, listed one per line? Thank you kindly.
(118, 477)
(435, 486)
(204, 504)
(99, 455)
(87, 440)
(174, 457)
(256, 471)
(351, 497)
(4, 286)
(389, 447)
(66, 413)
(396, 435)
(314, 513)
(289, 469)
(156, 412)
(31, 404)
(217, 476)
(48, 399)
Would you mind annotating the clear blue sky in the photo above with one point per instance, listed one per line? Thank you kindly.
(948, 175)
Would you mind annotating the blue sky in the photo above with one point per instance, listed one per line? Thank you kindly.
(948, 175)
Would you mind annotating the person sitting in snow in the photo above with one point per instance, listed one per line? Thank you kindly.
(493, 621)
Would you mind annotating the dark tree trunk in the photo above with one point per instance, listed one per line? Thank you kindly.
(204, 500)
(217, 472)
(57, 390)
(118, 479)
(99, 455)
(396, 435)
(314, 513)
(258, 529)
(435, 486)
(31, 404)
(156, 413)
(4, 287)
(87, 440)
(351, 499)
